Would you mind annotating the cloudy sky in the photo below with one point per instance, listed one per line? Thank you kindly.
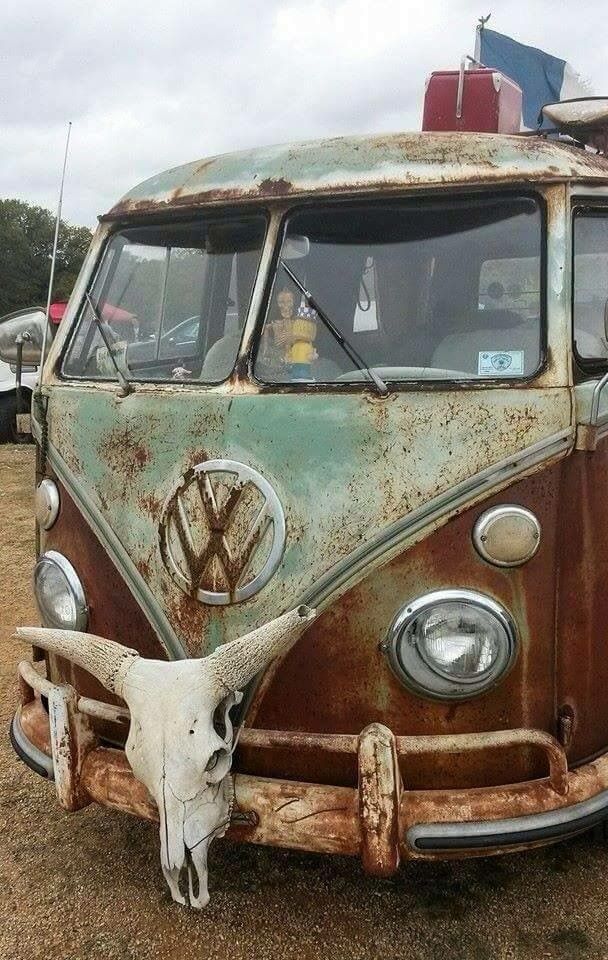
(150, 84)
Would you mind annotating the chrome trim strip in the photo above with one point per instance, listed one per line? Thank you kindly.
(121, 559)
(27, 751)
(594, 417)
(482, 834)
(389, 540)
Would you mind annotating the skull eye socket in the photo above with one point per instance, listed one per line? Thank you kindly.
(213, 761)
(219, 720)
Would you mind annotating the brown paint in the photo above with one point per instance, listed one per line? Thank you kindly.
(582, 608)
(113, 611)
(336, 679)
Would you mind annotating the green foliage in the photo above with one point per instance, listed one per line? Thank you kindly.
(26, 245)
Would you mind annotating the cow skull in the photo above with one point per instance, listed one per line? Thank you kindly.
(180, 740)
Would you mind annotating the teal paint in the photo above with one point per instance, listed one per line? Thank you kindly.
(343, 466)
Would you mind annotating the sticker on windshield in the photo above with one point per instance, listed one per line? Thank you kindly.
(500, 363)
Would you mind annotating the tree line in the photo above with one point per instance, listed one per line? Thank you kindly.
(26, 246)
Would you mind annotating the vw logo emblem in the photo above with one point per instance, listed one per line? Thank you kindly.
(222, 532)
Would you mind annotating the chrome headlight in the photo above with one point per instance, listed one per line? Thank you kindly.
(59, 593)
(451, 644)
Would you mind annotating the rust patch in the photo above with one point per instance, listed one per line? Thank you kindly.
(144, 568)
(463, 159)
(275, 187)
(113, 611)
(344, 643)
(150, 504)
(332, 819)
(581, 662)
(141, 455)
(124, 452)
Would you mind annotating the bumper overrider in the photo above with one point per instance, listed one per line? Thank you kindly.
(378, 820)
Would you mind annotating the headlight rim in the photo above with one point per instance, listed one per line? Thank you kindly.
(448, 689)
(74, 584)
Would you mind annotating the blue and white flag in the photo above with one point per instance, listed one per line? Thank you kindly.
(542, 78)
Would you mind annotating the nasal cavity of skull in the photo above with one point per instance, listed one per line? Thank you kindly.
(188, 882)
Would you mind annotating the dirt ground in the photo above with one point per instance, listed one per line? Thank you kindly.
(89, 885)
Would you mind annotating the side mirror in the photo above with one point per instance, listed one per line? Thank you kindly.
(26, 327)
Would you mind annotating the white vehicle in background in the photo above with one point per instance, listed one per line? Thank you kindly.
(29, 370)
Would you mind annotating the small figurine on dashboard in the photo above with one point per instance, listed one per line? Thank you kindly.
(301, 353)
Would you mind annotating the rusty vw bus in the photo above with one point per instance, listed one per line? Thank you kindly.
(367, 375)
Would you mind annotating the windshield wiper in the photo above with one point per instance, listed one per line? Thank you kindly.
(125, 386)
(348, 348)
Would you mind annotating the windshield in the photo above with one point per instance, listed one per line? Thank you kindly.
(171, 302)
(429, 289)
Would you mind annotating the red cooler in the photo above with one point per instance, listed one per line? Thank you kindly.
(481, 100)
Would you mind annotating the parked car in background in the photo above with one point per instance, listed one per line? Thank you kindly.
(8, 371)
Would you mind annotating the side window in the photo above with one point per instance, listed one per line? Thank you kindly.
(590, 286)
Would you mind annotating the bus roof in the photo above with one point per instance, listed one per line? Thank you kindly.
(359, 165)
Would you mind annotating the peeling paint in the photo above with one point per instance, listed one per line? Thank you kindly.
(342, 165)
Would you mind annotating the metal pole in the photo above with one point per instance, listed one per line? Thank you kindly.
(460, 91)
(478, 31)
(54, 255)
(18, 376)
(22, 418)
(477, 50)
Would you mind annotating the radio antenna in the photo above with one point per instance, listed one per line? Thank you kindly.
(54, 254)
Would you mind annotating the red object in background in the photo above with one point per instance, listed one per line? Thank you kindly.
(57, 310)
(112, 314)
(490, 102)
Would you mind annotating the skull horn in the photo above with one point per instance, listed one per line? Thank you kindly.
(237, 662)
(104, 659)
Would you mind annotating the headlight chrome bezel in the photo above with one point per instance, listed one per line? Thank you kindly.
(74, 585)
(415, 672)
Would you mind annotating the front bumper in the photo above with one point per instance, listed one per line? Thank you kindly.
(378, 820)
